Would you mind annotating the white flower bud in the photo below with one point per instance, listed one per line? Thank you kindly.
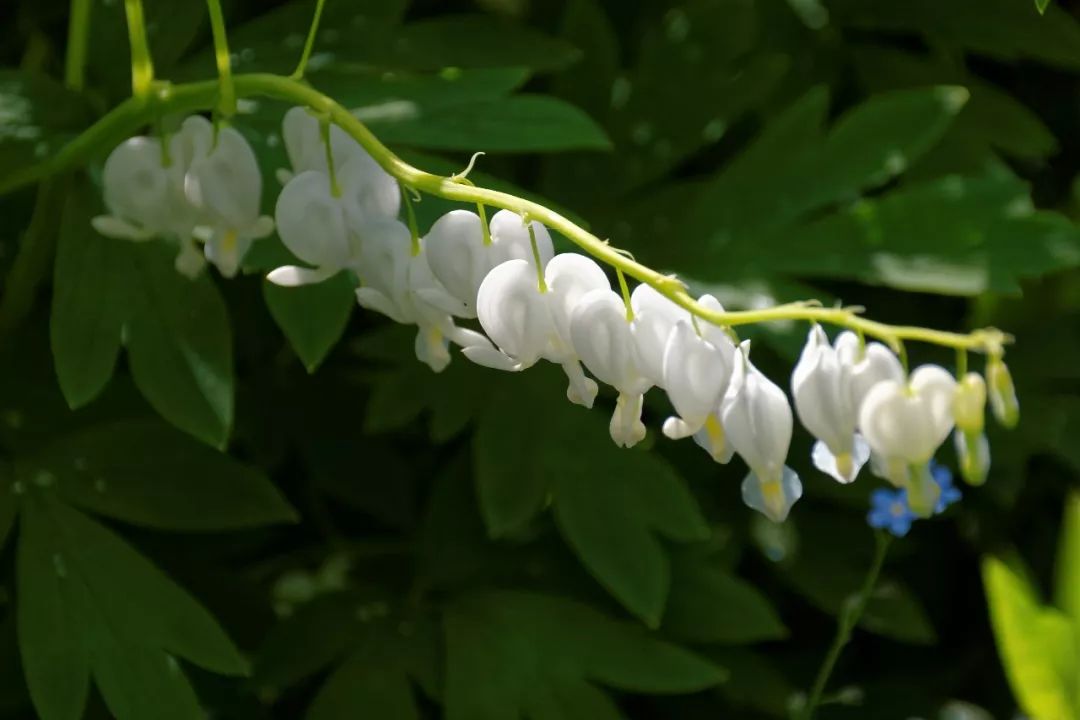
(973, 451)
(1002, 393)
(969, 406)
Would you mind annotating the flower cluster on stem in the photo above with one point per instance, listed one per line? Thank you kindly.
(497, 290)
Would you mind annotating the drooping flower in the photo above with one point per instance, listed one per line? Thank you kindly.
(908, 422)
(696, 372)
(225, 186)
(868, 364)
(826, 400)
(602, 338)
(461, 259)
(972, 447)
(374, 191)
(758, 422)
(315, 226)
(654, 319)
(392, 276)
(528, 324)
(904, 425)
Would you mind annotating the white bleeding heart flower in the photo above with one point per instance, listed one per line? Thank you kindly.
(314, 225)
(527, 324)
(569, 277)
(696, 372)
(758, 421)
(515, 315)
(602, 338)
(910, 421)
(825, 399)
(140, 191)
(225, 186)
(461, 260)
(905, 423)
(869, 365)
(392, 276)
(655, 317)
(375, 192)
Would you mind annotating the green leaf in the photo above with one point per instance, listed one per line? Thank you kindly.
(148, 474)
(370, 36)
(117, 612)
(830, 566)
(1003, 29)
(313, 317)
(363, 687)
(38, 116)
(710, 605)
(180, 346)
(307, 642)
(516, 654)
(50, 613)
(1067, 583)
(754, 680)
(477, 41)
(1038, 645)
(654, 122)
(1041, 6)
(793, 168)
(453, 398)
(611, 505)
(520, 123)
(90, 301)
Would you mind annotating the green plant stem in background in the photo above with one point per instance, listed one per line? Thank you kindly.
(849, 618)
(129, 116)
(227, 98)
(77, 44)
(309, 44)
(142, 65)
(33, 259)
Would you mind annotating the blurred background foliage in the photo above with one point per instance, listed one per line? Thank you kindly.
(382, 542)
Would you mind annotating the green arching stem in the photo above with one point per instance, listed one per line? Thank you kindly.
(541, 283)
(129, 116)
(485, 229)
(142, 65)
(625, 289)
(410, 216)
(849, 618)
(309, 44)
(227, 98)
(77, 44)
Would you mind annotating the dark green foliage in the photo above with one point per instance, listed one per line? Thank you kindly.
(233, 499)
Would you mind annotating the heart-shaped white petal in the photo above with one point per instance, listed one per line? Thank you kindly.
(757, 418)
(696, 375)
(909, 421)
(601, 337)
(312, 223)
(821, 386)
(383, 266)
(868, 365)
(304, 142)
(654, 319)
(226, 184)
(569, 276)
(510, 239)
(514, 313)
(458, 257)
(368, 191)
(137, 189)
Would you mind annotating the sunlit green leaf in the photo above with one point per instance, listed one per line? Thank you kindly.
(313, 317)
(1038, 645)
